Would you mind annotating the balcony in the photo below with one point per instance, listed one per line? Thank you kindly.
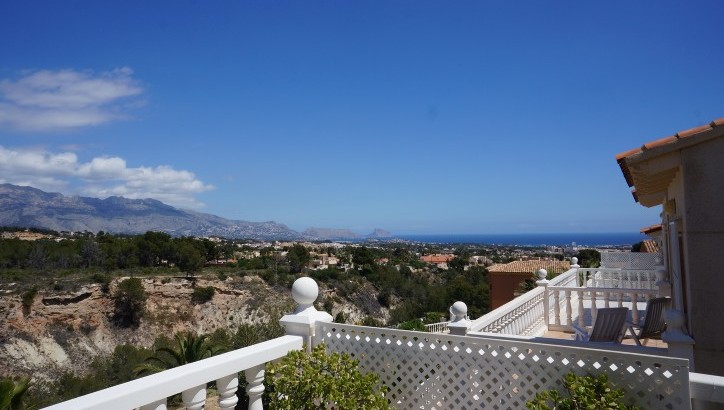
(498, 361)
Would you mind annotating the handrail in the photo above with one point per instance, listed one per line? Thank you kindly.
(149, 389)
(500, 313)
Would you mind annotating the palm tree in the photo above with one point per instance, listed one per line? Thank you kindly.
(189, 348)
(12, 392)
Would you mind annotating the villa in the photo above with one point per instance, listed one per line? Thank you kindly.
(502, 359)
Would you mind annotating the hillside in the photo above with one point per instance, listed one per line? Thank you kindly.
(30, 207)
(64, 330)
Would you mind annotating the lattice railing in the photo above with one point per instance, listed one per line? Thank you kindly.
(436, 371)
(439, 327)
(630, 260)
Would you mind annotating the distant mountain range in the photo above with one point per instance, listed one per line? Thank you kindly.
(30, 207)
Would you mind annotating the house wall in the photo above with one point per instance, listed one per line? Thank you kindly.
(703, 232)
(503, 286)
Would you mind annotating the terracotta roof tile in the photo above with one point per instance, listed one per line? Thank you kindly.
(693, 131)
(650, 229)
(530, 266)
(663, 141)
(660, 142)
(628, 153)
(649, 246)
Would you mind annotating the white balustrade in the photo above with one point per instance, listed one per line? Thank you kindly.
(439, 327)
(190, 380)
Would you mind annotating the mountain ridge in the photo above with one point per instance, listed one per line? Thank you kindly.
(25, 206)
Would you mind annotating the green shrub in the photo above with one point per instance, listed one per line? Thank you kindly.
(321, 381)
(584, 392)
(29, 296)
(202, 294)
(129, 303)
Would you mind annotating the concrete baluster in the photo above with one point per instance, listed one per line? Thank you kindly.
(569, 308)
(255, 386)
(574, 265)
(619, 299)
(594, 308)
(557, 306)
(581, 311)
(156, 405)
(227, 387)
(459, 323)
(606, 299)
(194, 398)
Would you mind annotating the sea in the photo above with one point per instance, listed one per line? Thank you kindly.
(535, 239)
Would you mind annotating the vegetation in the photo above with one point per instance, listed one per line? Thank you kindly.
(582, 393)
(322, 381)
(202, 294)
(29, 296)
(12, 393)
(189, 348)
(129, 303)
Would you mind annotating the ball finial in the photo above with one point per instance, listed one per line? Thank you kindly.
(305, 291)
(542, 274)
(459, 310)
(574, 261)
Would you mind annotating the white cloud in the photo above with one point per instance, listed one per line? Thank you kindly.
(99, 177)
(54, 100)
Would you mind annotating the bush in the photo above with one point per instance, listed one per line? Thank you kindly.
(584, 392)
(129, 303)
(321, 381)
(29, 297)
(202, 294)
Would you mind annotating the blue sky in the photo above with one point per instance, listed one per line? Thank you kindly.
(415, 117)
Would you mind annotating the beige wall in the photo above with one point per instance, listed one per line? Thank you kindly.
(703, 230)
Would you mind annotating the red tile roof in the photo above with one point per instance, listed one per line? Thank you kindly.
(651, 229)
(662, 142)
(530, 266)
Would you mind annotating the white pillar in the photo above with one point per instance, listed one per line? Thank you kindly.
(459, 323)
(255, 386)
(679, 343)
(542, 281)
(301, 323)
(194, 398)
(227, 386)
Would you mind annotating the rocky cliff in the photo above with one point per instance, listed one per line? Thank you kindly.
(63, 331)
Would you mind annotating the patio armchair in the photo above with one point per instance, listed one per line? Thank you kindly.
(609, 327)
(653, 323)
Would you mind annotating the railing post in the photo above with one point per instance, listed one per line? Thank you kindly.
(255, 386)
(301, 322)
(227, 386)
(542, 281)
(574, 265)
(194, 398)
(679, 343)
(459, 323)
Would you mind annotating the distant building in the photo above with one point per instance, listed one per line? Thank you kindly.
(439, 259)
(505, 278)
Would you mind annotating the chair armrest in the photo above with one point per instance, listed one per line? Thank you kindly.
(581, 333)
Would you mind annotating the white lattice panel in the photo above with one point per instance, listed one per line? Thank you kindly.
(435, 371)
(629, 260)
